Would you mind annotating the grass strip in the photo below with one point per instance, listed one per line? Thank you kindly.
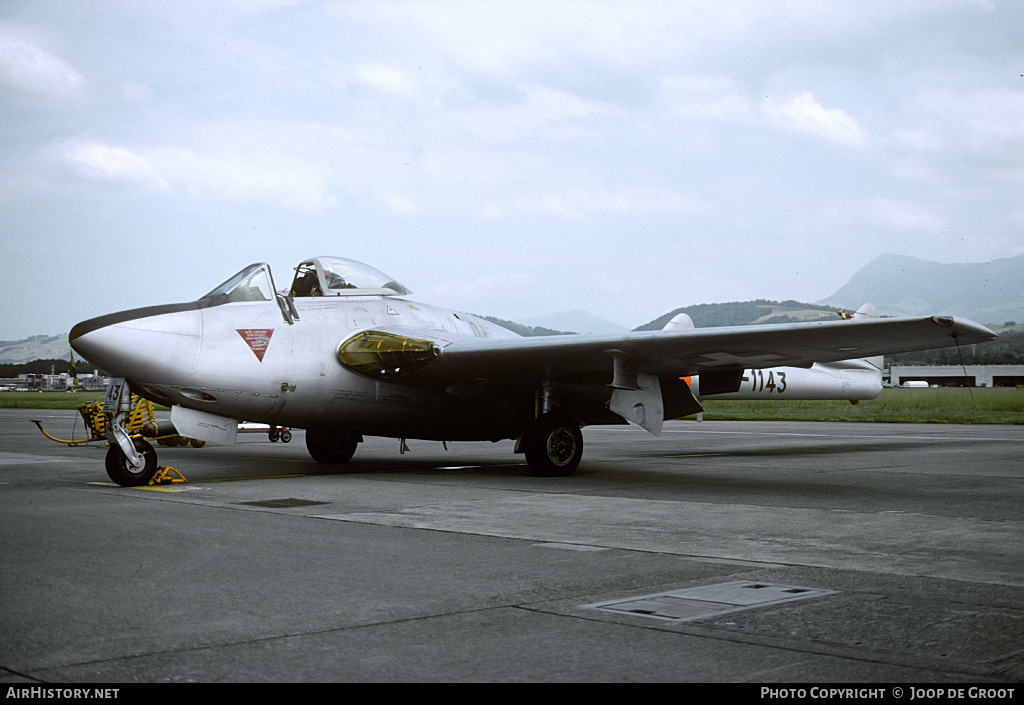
(1000, 405)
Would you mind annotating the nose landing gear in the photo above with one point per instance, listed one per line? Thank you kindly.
(123, 471)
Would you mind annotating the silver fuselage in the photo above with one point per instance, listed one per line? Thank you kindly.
(244, 360)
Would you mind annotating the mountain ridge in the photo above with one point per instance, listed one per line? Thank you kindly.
(901, 285)
(579, 321)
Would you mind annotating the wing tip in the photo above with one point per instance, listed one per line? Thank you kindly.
(965, 330)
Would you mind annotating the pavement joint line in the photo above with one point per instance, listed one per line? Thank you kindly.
(803, 646)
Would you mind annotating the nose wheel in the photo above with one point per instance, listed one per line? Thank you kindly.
(553, 445)
(121, 470)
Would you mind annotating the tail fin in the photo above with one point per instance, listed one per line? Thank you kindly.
(869, 311)
(680, 321)
(866, 311)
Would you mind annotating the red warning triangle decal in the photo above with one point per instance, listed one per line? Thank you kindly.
(257, 339)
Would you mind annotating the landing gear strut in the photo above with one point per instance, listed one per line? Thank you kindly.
(553, 445)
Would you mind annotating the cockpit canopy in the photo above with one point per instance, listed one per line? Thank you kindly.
(253, 283)
(320, 276)
(337, 276)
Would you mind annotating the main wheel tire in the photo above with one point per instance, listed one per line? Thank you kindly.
(553, 445)
(121, 471)
(329, 446)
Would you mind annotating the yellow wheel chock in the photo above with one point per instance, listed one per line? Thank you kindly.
(166, 475)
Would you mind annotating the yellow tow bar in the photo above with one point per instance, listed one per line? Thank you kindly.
(97, 420)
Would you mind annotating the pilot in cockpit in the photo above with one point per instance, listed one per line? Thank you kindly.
(336, 281)
(306, 283)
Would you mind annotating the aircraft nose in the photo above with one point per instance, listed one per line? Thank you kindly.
(153, 344)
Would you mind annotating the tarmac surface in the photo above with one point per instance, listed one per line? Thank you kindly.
(721, 551)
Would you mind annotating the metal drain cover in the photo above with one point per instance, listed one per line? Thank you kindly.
(707, 600)
(283, 503)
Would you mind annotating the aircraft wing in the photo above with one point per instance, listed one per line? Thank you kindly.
(704, 351)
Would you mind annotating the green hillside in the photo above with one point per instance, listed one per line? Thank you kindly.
(742, 313)
(520, 329)
(37, 347)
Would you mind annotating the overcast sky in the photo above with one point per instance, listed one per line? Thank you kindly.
(504, 158)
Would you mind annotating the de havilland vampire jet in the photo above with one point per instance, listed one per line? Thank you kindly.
(344, 354)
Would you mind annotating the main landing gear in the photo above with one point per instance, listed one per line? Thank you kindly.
(553, 445)
(331, 447)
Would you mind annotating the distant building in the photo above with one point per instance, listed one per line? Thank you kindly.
(59, 382)
(958, 376)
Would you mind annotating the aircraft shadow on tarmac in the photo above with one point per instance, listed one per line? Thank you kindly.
(678, 474)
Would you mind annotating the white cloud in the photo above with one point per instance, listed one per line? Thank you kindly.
(903, 215)
(635, 201)
(108, 162)
(480, 286)
(259, 177)
(401, 204)
(262, 6)
(26, 67)
(228, 177)
(803, 113)
(138, 93)
(387, 79)
(496, 130)
(541, 111)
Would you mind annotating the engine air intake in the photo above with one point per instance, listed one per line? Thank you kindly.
(386, 355)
